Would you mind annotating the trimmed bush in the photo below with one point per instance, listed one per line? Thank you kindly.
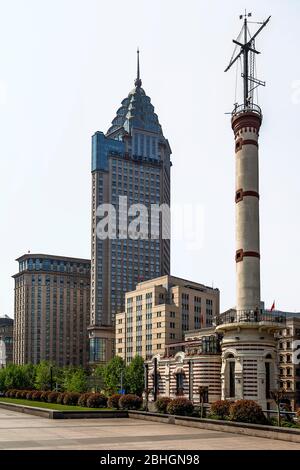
(161, 404)
(247, 411)
(11, 393)
(21, 393)
(36, 395)
(180, 406)
(96, 400)
(60, 398)
(220, 409)
(113, 401)
(71, 398)
(52, 397)
(83, 399)
(130, 402)
(44, 396)
(29, 394)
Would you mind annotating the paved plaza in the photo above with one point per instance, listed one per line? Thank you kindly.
(21, 431)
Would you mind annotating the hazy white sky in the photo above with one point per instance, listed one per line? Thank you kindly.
(65, 66)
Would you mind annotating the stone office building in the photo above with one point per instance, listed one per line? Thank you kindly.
(52, 306)
(158, 313)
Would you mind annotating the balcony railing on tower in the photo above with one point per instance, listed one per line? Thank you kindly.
(249, 316)
(246, 108)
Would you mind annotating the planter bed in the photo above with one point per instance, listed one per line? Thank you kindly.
(57, 411)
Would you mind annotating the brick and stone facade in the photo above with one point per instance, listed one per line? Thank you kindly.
(52, 306)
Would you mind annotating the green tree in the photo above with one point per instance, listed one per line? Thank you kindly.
(75, 380)
(113, 374)
(2, 379)
(43, 375)
(29, 373)
(14, 377)
(135, 376)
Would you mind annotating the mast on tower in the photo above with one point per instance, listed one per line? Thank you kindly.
(247, 51)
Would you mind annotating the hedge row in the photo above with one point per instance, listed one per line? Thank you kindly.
(243, 411)
(90, 400)
(175, 406)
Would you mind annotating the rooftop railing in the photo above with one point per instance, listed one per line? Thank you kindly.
(249, 108)
(249, 316)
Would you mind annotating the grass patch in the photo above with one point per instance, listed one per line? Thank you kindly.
(51, 406)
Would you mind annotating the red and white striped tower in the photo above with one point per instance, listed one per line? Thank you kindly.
(246, 124)
(249, 368)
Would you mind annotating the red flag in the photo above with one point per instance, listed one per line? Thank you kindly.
(273, 306)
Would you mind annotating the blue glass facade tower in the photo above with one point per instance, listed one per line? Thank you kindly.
(132, 159)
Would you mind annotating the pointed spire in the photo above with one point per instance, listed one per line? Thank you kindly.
(138, 81)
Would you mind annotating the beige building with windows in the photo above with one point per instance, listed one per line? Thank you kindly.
(159, 312)
(289, 359)
(52, 306)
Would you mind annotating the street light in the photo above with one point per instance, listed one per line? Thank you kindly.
(51, 378)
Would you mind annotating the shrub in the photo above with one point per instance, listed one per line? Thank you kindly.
(52, 397)
(21, 393)
(71, 398)
(247, 411)
(113, 401)
(60, 398)
(162, 403)
(11, 393)
(130, 402)
(180, 406)
(44, 396)
(29, 394)
(96, 400)
(36, 395)
(289, 424)
(83, 399)
(220, 409)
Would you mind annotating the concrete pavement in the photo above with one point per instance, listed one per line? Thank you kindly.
(20, 431)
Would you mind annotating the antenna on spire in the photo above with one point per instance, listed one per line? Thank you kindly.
(248, 51)
(138, 81)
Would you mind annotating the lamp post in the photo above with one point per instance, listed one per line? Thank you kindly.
(121, 382)
(146, 386)
(51, 378)
(155, 379)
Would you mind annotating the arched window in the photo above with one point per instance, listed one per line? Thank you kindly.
(268, 375)
(179, 383)
(231, 365)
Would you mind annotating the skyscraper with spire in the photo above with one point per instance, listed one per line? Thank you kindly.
(132, 160)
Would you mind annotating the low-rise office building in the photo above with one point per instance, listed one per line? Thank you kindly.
(52, 307)
(159, 312)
